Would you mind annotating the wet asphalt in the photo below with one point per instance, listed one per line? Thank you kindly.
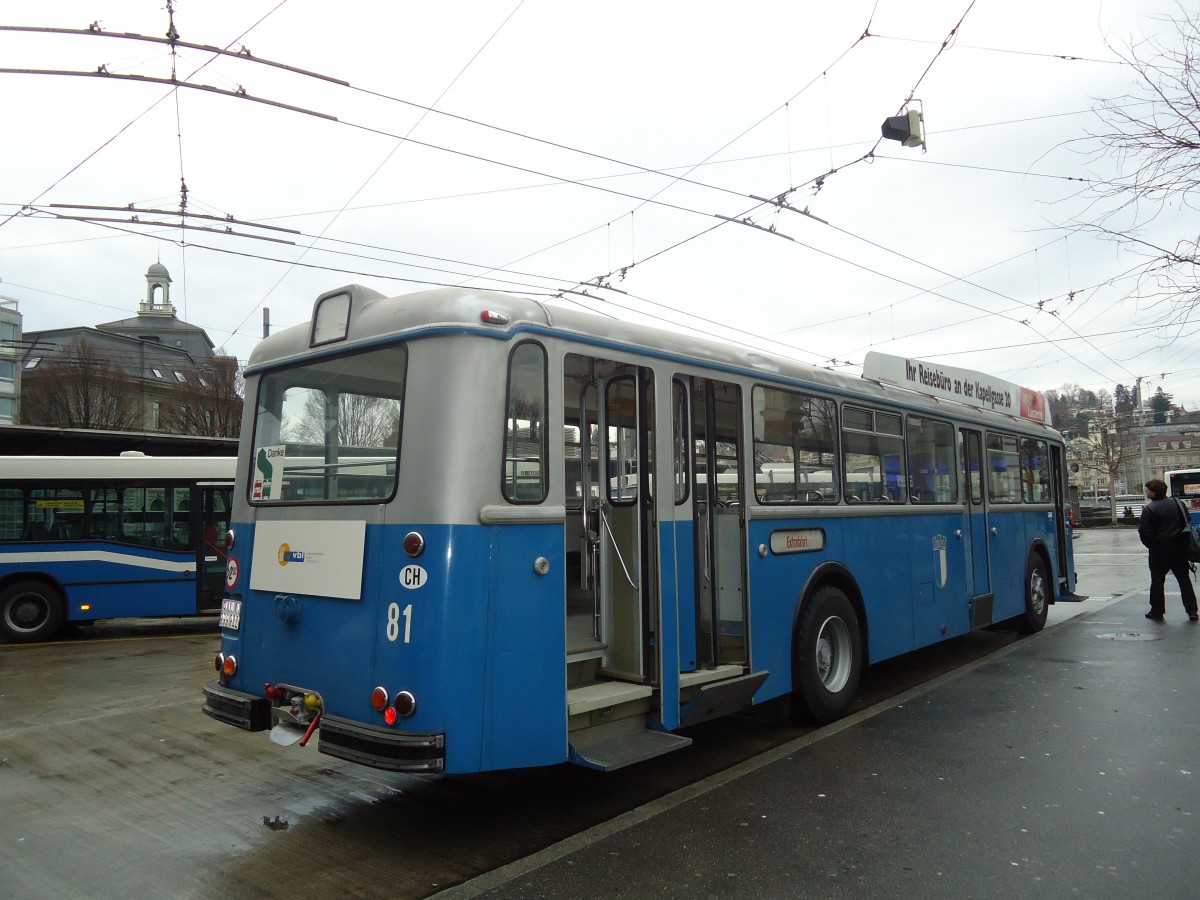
(1066, 764)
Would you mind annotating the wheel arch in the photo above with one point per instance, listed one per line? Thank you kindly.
(837, 575)
(1041, 551)
(35, 575)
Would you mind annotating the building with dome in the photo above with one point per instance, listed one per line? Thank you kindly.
(152, 372)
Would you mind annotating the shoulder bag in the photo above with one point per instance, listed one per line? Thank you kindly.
(1193, 545)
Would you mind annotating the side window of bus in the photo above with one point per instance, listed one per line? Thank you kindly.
(620, 398)
(104, 513)
(795, 452)
(179, 535)
(931, 472)
(1035, 471)
(679, 439)
(143, 512)
(12, 517)
(1003, 469)
(873, 453)
(525, 464)
(54, 515)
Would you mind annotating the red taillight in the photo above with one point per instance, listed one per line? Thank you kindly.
(389, 716)
(229, 535)
(272, 692)
(379, 698)
(405, 704)
(414, 544)
(219, 662)
(491, 317)
(229, 667)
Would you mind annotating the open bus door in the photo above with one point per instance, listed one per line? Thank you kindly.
(974, 533)
(613, 633)
(714, 634)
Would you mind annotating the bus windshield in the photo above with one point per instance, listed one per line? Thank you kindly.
(329, 431)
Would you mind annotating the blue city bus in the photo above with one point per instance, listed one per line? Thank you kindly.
(89, 538)
(473, 531)
(1185, 485)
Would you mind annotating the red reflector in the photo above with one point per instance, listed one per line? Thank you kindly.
(413, 543)
(405, 703)
(272, 692)
(389, 716)
(379, 698)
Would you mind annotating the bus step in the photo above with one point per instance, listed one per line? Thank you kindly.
(1068, 597)
(604, 694)
(608, 751)
(719, 698)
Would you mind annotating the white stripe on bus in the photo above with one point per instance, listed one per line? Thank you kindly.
(107, 556)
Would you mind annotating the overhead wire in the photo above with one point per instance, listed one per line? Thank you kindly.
(679, 243)
(136, 118)
(406, 138)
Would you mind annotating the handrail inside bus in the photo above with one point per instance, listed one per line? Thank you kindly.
(616, 549)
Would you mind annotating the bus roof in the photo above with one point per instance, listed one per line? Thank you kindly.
(127, 466)
(373, 318)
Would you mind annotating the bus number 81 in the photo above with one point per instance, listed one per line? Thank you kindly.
(393, 622)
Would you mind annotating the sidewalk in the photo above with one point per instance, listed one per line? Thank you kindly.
(1066, 764)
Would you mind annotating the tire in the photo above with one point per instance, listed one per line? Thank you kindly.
(826, 658)
(1037, 595)
(30, 611)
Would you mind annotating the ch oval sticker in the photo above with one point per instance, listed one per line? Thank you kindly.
(413, 577)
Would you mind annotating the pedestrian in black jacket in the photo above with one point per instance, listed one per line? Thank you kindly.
(1163, 532)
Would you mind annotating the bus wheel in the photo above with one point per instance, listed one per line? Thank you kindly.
(1037, 595)
(827, 658)
(30, 611)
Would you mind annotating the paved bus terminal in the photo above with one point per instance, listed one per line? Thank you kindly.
(1065, 764)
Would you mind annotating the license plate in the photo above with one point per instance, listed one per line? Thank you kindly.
(231, 614)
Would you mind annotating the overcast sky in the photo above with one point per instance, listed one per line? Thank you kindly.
(950, 255)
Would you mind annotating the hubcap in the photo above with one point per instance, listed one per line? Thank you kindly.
(27, 612)
(833, 654)
(1037, 592)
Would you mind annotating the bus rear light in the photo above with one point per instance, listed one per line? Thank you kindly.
(389, 716)
(272, 692)
(491, 317)
(229, 536)
(414, 544)
(405, 704)
(219, 662)
(229, 666)
(379, 698)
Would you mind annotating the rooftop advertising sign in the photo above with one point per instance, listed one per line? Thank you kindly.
(963, 385)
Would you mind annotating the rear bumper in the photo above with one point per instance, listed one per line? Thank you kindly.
(232, 707)
(382, 748)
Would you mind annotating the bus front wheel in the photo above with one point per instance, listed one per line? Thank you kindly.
(30, 611)
(1037, 595)
(827, 658)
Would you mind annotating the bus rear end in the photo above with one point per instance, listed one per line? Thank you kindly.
(361, 609)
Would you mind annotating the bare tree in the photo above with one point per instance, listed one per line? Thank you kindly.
(210, 403)
(1152, 135)
(79, 388)
(362, 421)
(1114, 439)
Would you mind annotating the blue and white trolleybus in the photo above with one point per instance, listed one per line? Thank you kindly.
(88, 538)
(474, 531)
